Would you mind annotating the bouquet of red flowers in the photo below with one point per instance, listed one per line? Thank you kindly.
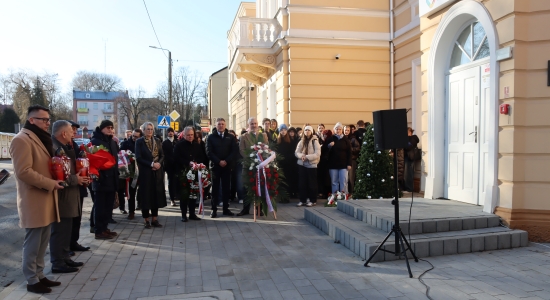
(126, 164)
(263, 178)
(99, 158)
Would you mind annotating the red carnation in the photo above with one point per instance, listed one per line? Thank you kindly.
(276, 192)
(268, 175)
(251, 179)
(276, 175)
(250, 173)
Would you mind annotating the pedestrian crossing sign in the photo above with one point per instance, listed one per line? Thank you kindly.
(163, 122)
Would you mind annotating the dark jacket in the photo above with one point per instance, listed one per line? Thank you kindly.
(108, 179)
(151, 183)
(409, 150)
(69, 197)
(128, 144)
(186, 152)
(218, 149)
(168, 150)
(355, 146)
(340, 153)
(359, 135)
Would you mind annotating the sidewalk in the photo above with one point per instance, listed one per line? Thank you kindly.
(283, 259)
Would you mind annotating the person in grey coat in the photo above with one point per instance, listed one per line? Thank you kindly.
(68, 203)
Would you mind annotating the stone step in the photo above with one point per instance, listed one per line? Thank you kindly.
(363, 239)
(421, 222)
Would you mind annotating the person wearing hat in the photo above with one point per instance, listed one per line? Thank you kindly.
(77, 221)
(106, 186)
(169, 163)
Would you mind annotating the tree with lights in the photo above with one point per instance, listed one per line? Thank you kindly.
(374, 179)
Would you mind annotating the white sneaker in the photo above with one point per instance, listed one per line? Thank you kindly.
(309, 204)
(221, 204)
(241, 201)
(299, 204)
(314, 203)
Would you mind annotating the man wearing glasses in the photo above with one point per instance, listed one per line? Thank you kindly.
(130, 144)
(31, 151)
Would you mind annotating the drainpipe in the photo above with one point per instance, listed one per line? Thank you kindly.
(392, 67)
(247, 99)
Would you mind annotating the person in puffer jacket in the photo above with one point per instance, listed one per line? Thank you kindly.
(308, 153)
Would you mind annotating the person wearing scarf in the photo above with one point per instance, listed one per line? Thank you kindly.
(31, 151)
(308, 153)
(150, 157)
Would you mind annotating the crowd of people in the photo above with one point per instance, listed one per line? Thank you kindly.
(315, 163)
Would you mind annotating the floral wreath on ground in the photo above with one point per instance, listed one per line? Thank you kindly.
(194, 180)
(262, 177)
(334, 198)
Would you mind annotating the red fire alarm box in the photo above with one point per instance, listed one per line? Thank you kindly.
(504, 109)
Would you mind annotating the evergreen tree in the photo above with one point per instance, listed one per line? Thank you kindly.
(38, 97)
(7, 120)
(375, 171)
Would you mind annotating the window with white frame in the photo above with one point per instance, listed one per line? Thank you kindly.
(471, 45)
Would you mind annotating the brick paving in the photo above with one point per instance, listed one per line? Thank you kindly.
(235, 258)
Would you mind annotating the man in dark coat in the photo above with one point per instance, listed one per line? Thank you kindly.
(105, 187)
(186, 151)
(68, 202)
(360, 132)
(169, 168)
(222, 151)
(130, 144)
(77, 221)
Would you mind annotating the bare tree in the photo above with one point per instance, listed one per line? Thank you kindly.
(188, 90)
(91, 81)
(136, 108)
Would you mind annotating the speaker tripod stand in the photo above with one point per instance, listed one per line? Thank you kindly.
(400, 239)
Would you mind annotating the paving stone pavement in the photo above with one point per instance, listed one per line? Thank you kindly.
(283, 259)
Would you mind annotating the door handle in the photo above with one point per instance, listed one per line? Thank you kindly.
(475, 134)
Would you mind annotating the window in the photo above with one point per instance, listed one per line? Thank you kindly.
(83, 118)
(108, 117)
(96, 118)
(95, 106)
(107, 106)
(82, 105)
(471, 45)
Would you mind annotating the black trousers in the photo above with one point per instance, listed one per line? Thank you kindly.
(103, 212)
(92, 213)
(187, 204)
(221, 177)
(121, 194)
(308, 184)
(77, 222)
(132, 198)
(59, 241)
(172, 184)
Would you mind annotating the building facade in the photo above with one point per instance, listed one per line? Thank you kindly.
(217, 97)
(472, 73)
(92, 107)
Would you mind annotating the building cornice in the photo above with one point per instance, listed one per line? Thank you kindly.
(317, 10)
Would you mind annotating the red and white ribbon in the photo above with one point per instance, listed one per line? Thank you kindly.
(201, 200)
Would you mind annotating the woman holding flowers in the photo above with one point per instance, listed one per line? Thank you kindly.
(308, 153)
(151, 194)
(188, 150)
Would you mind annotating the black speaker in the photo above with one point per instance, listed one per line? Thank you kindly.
(390, 129)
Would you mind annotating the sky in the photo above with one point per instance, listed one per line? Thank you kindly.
(66, 36)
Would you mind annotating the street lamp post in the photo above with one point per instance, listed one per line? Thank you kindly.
(169, 77)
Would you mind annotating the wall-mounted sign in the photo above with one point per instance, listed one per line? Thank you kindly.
(428, 7)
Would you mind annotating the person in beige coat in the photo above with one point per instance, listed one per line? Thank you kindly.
(308, 153)
(31, 151)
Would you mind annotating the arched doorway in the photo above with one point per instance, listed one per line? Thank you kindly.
(462, 111)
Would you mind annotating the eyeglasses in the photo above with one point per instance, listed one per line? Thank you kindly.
(136, 136)
(45, 120)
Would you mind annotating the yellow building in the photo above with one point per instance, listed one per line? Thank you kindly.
(454, 64)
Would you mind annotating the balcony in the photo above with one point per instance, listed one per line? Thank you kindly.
(82, 110)
(108, 111)
(83, 123)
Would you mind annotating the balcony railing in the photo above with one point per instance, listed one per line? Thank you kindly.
(107, 111)
(82, 109)
(83, 123)
(254, 32)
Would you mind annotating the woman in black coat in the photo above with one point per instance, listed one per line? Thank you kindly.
(187, 150)
(286, 149)
(409, 160)
(292, 175)
(339, 159)
(151, 194)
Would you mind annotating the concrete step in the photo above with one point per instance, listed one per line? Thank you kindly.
(363, 239)
(371, 212)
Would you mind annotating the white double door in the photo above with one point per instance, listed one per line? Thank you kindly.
(466, 143)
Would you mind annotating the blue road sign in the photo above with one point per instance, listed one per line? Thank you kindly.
(163, 122)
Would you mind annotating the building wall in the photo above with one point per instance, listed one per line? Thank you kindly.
(217, 97)
(523, 160)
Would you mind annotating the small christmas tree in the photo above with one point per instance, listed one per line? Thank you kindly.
(375, 171)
